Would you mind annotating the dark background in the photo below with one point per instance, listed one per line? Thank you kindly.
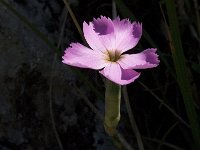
(34, 82)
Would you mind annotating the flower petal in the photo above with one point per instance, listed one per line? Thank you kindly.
(103, 25)
(104, 28)
(127, 34)
(115, 73)
(83, 57)
(99, 34)
(92, 37)
(146, 59)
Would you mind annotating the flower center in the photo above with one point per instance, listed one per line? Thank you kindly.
(113, 56)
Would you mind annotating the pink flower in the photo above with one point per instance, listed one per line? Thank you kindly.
(109, 40)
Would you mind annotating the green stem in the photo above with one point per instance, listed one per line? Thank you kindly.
(112, 107)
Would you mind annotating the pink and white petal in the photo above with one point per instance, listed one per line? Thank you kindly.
(115, 73)
(127, 34)
(146, 59)
(103, 25)
(80, 56)
(129, 76)
(104, 28)
(108, 41)
(92, 37)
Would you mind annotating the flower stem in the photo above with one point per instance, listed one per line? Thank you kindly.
(112, 107)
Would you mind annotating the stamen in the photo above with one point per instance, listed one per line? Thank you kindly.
(113, 56)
